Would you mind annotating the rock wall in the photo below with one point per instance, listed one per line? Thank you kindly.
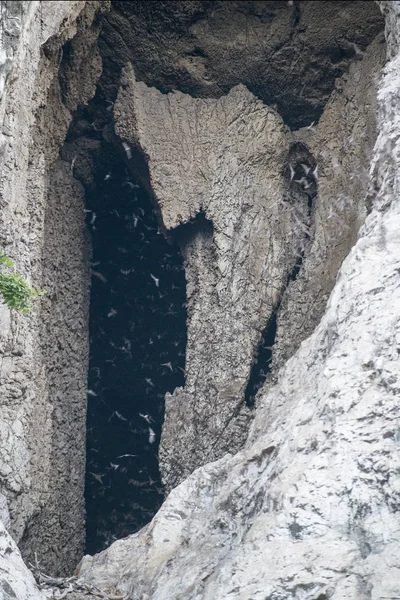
(342, 143)
(288, 54)
(272, 244)
(243, 222)
(44, 356)
(309, 509)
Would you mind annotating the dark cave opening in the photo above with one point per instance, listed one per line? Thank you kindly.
(137, 352)
(262, 361)
(137, 339)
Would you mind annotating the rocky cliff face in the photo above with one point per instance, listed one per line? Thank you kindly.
(282, 210)
(258, 164)
(44, 357)
(309, 509)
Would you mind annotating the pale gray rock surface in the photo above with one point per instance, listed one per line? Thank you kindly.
(16, 581)
(310, 508)
(44, 356)
(11, 14)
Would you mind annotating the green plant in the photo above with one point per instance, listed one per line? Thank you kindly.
(16, 293)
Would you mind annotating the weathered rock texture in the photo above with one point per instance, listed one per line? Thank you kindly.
(230, 161)
(221, 158)
(254, 231)
(16, 582)
(288, 54)
(44, 356)
(342, 144)
(309, 509)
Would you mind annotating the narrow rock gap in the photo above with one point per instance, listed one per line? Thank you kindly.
(302, 249)
(262, 361)
(137, 337)
(301, 183)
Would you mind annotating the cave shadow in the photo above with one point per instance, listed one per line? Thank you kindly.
(137, 349)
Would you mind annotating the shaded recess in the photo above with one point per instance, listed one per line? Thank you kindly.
(301, 179)
(198, 226)
(137, 335)
(301, 190)
(262, 362)
(286, 53)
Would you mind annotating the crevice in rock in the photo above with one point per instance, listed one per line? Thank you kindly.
(262, 361)
(301, 179)
(301, 183)
(301, 251)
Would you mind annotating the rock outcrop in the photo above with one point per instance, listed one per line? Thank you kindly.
(309, 509)
(16, 581)
(221, 159)
(258, 241)
(44, 356)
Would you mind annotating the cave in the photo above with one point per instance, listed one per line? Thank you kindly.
(137, 337)
(137, 352)
(137, 324)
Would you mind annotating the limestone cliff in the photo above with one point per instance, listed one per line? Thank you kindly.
(309, 509)
(252, 128)
(44, 357)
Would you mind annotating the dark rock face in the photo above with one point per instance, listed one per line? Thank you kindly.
(286, 53)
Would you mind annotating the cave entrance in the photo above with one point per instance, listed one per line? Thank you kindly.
(137, 338)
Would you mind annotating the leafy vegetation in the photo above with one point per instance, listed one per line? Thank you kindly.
(15, 292)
